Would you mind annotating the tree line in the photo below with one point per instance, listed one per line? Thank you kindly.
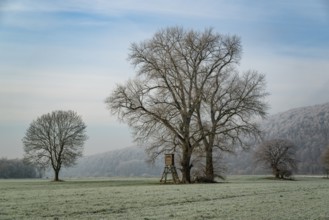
(17, 168)
(122, 162)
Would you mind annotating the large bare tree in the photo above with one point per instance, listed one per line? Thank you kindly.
(278, 155)
(179, 73)
(55, 140)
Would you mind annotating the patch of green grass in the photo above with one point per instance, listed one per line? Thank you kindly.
(239, 197)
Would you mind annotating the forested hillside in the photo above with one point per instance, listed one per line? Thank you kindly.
(307, 127)
(129, 161)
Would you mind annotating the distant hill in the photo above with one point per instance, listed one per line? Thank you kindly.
(129, 161)
(307, 127)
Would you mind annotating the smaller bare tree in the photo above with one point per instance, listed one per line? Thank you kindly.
(278, 155)
(325, 161)
(55, 139)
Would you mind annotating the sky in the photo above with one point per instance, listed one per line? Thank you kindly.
(70, 54)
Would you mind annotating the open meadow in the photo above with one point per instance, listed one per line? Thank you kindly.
(239, 197)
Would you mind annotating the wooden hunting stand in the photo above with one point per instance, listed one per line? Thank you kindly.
(169, 169)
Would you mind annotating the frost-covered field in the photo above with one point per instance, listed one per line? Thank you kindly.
(240, 197)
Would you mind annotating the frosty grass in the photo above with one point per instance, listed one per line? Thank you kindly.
(239, 197)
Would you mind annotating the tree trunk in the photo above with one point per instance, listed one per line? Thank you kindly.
(209, 164)
(186, 168)
(276, 173)
(56, 175)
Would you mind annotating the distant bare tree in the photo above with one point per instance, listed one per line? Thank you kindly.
(55, 139)
(188, 94)
(278, 155)
(325, 161)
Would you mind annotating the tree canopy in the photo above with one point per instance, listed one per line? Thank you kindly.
(278, 155)
(188, 95)
(55, 139)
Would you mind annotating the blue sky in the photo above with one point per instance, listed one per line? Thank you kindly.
(69, 54)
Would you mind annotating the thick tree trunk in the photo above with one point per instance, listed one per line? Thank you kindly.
(186, 168)
(276, 173)
(209, 164)
(56, 177)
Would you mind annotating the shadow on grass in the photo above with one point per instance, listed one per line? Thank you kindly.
(279, 179)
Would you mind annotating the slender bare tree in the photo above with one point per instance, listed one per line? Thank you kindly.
(180, 73)
(55, 139)
(278, 155)
(228, 111)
